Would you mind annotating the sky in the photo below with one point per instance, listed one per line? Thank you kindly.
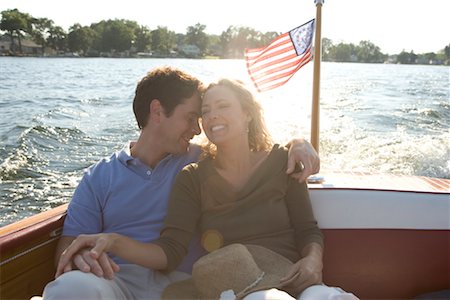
(393, 25)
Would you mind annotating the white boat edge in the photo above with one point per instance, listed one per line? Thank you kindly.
(381, 201)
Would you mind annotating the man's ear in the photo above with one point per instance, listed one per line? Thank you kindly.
(156, 110)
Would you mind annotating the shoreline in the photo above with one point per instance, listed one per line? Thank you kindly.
(202, 58)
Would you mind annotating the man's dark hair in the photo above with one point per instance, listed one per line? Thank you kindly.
(169, 85)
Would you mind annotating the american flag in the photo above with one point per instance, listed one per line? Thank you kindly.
(273, 65)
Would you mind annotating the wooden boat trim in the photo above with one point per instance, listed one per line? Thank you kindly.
(11, 236)
(27, 249)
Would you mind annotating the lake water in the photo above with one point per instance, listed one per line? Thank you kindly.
(60, 115)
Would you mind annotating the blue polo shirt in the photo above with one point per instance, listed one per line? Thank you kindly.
(123, 195)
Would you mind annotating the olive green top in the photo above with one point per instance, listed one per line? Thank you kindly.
(272, 210)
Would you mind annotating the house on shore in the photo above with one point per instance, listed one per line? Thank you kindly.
(191, 51)
(8, 47)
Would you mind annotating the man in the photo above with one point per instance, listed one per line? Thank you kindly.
(128, 192)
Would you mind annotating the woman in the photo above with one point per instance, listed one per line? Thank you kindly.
(239, 193)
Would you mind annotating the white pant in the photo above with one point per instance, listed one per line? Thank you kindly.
(315, 292)
(131, 282)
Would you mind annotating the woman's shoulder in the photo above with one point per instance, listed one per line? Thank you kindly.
(197, 168)
(278, 152)
(279, 148)
(275, 160)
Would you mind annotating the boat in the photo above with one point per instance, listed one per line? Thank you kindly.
(386, 237)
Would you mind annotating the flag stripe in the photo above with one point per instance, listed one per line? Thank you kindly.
(272, 44)
(260, 84)
(276, 59)
(279, 64)
(284, 45)
(274, 85)
(275, 64)
(272, 52)
(289, 60)
(275, 72)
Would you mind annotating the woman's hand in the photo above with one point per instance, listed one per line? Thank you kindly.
(301, 152)
(84, 259)
(306, 272)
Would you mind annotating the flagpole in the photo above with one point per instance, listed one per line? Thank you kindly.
(316, 78)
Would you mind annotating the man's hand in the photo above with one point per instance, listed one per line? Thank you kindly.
(104, 266)
(95, 260)
(301, 152)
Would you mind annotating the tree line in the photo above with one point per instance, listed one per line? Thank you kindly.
(368, 52)
(120, 36)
